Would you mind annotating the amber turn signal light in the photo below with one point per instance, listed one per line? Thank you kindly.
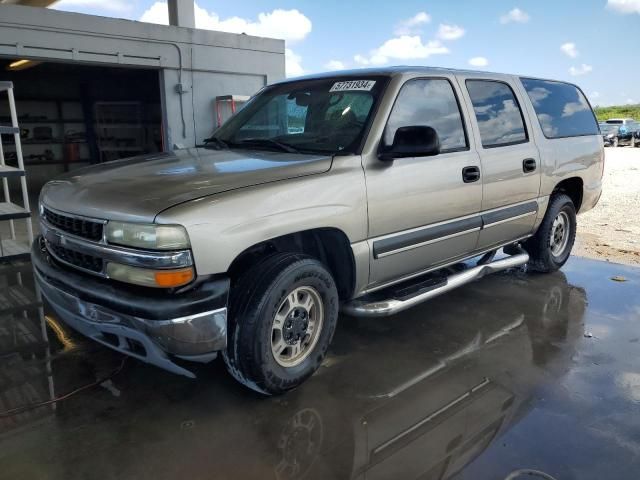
(173, 278)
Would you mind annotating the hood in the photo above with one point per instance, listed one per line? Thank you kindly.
(139, 188)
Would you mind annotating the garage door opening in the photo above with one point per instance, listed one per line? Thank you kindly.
(77, 115)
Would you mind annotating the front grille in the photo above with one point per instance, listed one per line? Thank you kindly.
(76, 259)
(75, 226)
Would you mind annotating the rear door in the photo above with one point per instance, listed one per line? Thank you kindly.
(510, 159)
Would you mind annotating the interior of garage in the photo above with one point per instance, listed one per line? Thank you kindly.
(90, 89)
(74, 115)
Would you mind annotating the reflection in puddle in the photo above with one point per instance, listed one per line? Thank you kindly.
(419, 395)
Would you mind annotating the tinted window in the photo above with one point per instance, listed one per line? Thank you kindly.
(562, 109)
(498, 113)
(428, 102)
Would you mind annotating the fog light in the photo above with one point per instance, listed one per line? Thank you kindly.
(150, 278)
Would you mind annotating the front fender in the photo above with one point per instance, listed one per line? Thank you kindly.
(222, 226)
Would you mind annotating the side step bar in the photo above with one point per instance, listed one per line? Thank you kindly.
(368, 307)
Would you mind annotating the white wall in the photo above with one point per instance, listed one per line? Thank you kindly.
(206, 63)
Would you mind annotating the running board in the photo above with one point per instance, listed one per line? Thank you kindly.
(371, 307)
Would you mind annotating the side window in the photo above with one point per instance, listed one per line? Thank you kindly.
(561, 108)
(270, 120)
(497, 112)
(296, 117)
(432, 103)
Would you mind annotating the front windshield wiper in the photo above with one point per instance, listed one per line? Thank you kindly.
(267, 142)
(215, 141)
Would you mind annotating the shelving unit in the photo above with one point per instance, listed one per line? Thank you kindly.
(119, 129)
(25, 376)
(13, 247)
(52, 113)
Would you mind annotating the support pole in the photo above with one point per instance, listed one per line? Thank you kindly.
(181, 13)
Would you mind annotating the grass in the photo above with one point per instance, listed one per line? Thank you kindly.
(618, 111)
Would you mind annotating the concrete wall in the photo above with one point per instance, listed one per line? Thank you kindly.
(200, 63)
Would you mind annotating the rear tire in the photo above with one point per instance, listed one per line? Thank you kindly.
(615, 142)
(282, 315)
(550, 247)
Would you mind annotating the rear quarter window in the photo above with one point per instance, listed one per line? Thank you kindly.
(561, 108)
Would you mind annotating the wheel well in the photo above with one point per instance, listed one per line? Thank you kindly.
(329, 245)
(573, 188)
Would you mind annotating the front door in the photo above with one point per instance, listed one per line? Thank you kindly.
(510, 160)
(423, 210)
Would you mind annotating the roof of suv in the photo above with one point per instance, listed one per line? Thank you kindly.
(408, 70)
(387, 71)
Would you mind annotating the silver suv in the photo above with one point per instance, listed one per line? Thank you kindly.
(366, 191)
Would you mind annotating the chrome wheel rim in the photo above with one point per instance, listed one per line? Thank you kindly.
(296, 326)
(559, 234)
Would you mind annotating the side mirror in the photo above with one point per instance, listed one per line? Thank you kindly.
(413, 141)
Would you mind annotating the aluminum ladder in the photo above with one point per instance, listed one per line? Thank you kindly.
(13, 248)
(23, 333)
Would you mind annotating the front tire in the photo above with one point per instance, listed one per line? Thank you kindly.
(550, 247)
(615, 142)
(282, 316)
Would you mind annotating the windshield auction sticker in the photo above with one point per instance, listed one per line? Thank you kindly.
(362, 85)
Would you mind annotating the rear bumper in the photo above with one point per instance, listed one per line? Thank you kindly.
(150, 326)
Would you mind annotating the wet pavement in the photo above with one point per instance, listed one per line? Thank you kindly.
(511, 372)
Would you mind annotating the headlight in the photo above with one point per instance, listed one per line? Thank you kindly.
(611, 135)
(149, 236)
(150, 278)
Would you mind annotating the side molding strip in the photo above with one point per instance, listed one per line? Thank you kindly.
(407, 241)
(428, 235)
(510, 213)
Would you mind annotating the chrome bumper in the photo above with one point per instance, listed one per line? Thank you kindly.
(196, 334)
(196, 337)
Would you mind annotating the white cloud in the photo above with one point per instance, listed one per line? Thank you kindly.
(289, 25)
(478, 62)
(412, 25)
(116, 6)
(629, 383)
(581, 70)
(293, 63)
(572, 108)
(156, 13)
(569, 49)
(449, 32)
(538, 94)
(516, 15)
(624, 6)
(405, 47)
(334, 65)
(594, 95)
(361, 60)
(631, 101)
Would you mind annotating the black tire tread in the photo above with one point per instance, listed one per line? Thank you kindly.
(252, 290)
(536, 246)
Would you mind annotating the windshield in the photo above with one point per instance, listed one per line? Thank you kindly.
(607, 128)
(328, 116)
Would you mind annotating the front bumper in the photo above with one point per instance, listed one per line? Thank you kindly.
(151, 326)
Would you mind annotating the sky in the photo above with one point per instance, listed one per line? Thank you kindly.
(593, 43)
